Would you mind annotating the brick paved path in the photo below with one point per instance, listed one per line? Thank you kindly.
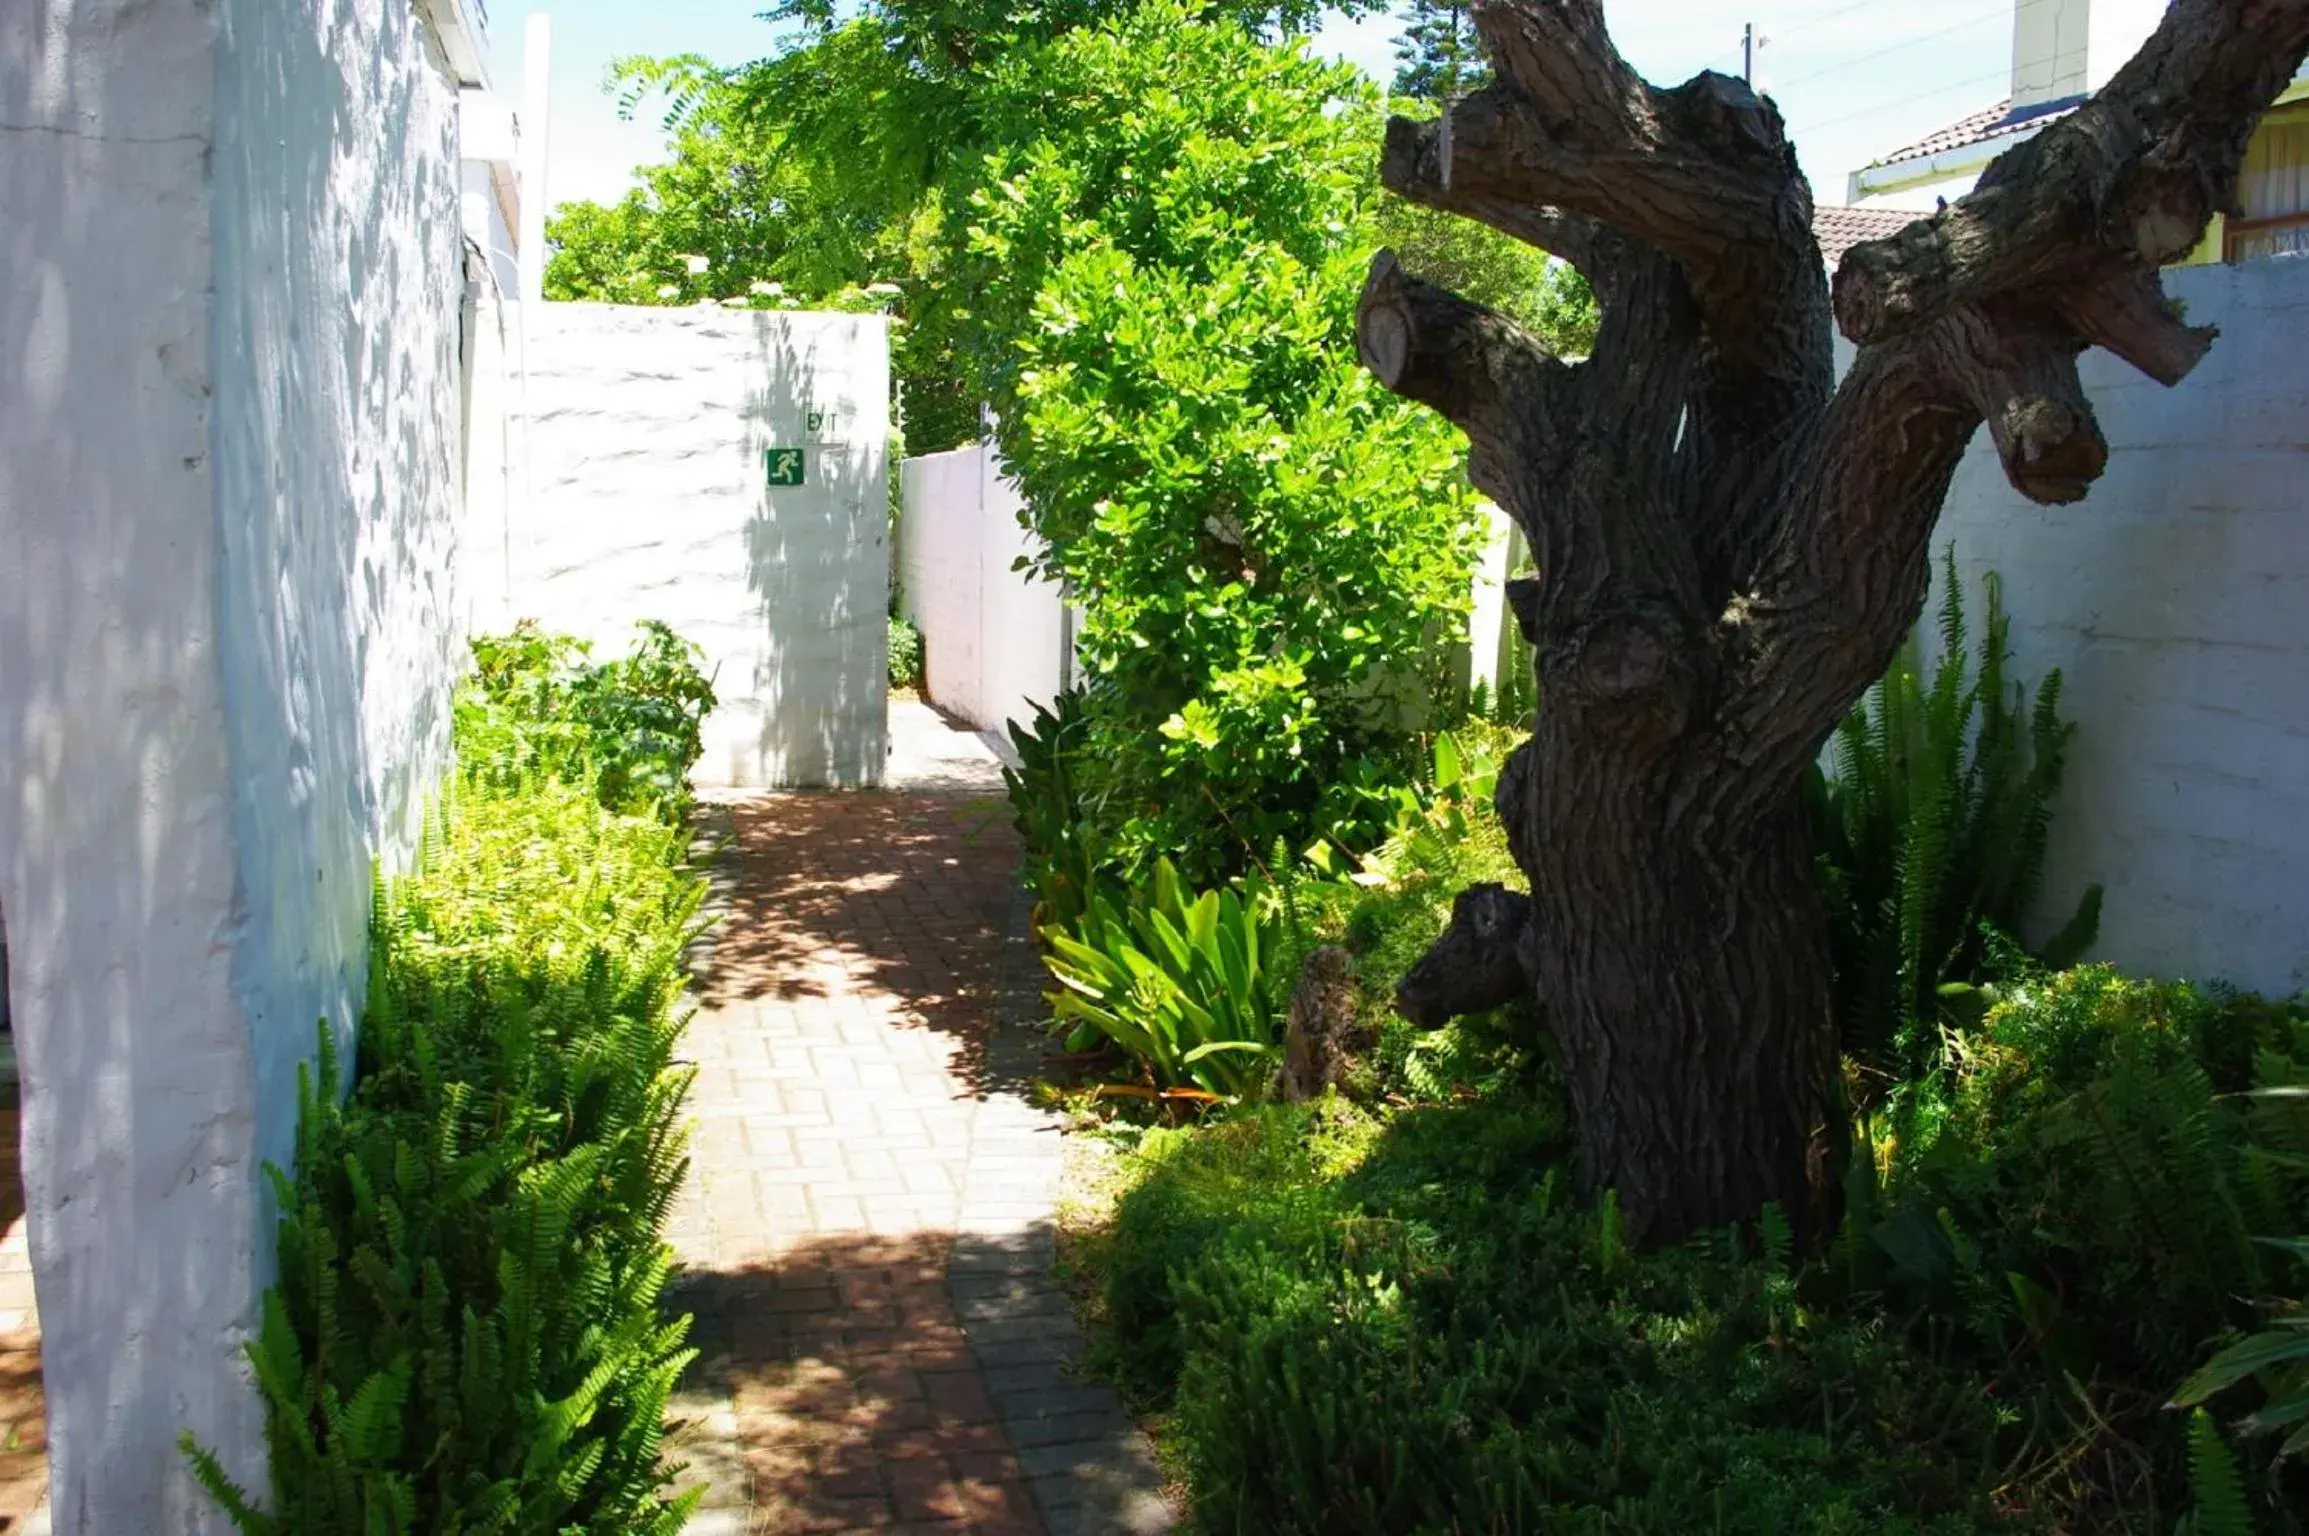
(866, 1233)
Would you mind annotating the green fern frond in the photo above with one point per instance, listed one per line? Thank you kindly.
(2219, 1490)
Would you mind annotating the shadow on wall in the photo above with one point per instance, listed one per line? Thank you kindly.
(817, 563)
(218, 455)
(115, 853)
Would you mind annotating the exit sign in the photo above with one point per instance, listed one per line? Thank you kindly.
(785, 465)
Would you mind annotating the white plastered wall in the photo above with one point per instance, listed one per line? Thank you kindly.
(647, 497)
(995, 640)
(2175, 600)
(227, 320)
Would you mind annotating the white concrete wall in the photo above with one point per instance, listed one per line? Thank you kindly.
(647, 497)
(117, 863)
(339, 280)
(225, 413)
(2175, 600)
(495, 464)
(995, 643)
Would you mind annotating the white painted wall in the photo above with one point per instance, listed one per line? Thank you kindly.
(1495, 646)
(226, 413)
(647, 498)
(495, 466)
(2175, 600)
(117, 864)
(996, 643)
(339, 279)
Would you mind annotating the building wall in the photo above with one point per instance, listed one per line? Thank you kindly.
(224, 410)
(340, 274)
(646, 496)
(2175, 599)
(117, 865)
(996, 642)
(493, 471)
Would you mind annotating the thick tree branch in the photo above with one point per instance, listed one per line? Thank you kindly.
(2134, 174)
(1480, 962)
(1978, 315)
(2127, 312)
(1571, 151)
(2017, 371)
(1430, 345)
(1411, 167)
(1700, 171)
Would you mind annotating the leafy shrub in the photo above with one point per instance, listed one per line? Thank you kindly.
(2086, 1140)
(905, 654)
(1403, 1322)
(1408, 1326)
(629, 728)
(1270, 551)
(1063, 855)
(466, 1334)
(1194, 987)
(1178, 981)
(1932, 834)
(1391, 905)
(2276, 1359)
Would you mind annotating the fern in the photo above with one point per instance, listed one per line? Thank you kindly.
(467, 1333)
(2213, 1478)
(1932, 829)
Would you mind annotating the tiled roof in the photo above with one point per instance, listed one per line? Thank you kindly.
(1839, 228)
(1988, 123)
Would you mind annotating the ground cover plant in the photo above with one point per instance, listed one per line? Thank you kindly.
(1394, 1313)
(2068, 1203)
(466, 1334)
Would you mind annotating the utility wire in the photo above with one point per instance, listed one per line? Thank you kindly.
(1887, 106)
(1813, 23)
(1835, 15)
(1843, 64)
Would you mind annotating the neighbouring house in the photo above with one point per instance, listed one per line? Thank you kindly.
(2062, 52)
(253, 248)
(1838, 227)
(2171, 597)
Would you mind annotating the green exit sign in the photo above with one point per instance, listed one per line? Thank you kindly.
(785, 465)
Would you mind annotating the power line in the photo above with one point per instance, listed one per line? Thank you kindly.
(1888, 106)
(1835, 15)
(1843, 64)
(1816, 22)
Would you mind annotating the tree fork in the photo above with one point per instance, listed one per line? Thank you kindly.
(1730, 547)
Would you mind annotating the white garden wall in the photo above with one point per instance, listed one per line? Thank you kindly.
(2175, 599)
(647, 497)
(227, 406)
(996, 642)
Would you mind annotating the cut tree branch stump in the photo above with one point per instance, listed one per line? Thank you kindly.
(1730, 546)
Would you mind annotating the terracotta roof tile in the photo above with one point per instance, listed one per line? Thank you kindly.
(1981, 126)
(1838, 228)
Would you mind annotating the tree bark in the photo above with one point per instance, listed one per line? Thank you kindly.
(1730, 547)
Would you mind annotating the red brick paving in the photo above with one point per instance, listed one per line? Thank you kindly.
(842, 1047)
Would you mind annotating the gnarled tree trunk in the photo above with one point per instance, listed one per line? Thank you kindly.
(1730, 547)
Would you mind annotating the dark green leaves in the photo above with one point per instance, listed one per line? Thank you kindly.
(466, 1336)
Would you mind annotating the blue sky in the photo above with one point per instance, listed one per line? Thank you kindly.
(1854, 77)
